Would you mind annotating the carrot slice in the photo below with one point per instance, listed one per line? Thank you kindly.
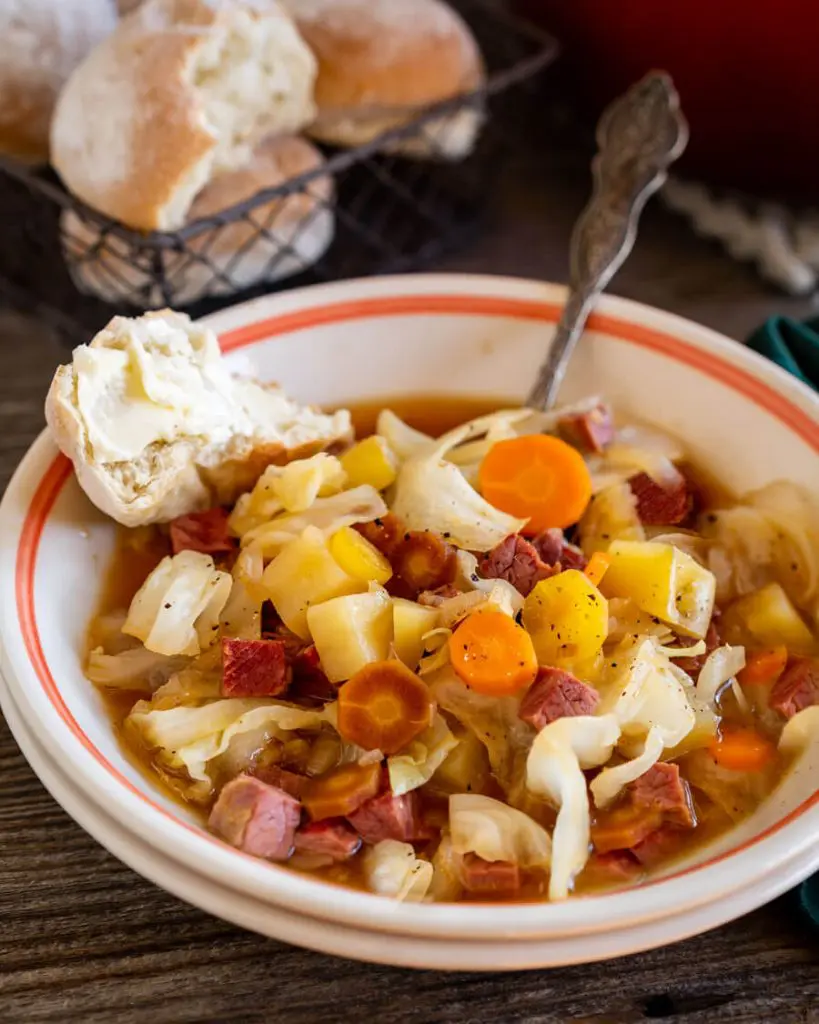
(764, 667)
(742, 750)
(341, 792)
(492, 654)
(597, 567)
(384, 706)
(539, 478)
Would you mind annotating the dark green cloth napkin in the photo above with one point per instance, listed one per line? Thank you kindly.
(794, 345)
(791, 344)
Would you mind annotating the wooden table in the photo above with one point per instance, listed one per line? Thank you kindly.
(84, 939)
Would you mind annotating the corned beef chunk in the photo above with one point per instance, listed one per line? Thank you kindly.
(332, 838)
(206, 532)
(256, 818)
(797, 688)
(254, 668)
(516, 561)
(658, 505)
(487, 877)
(388, 817)
(589, 431)
(556, 694)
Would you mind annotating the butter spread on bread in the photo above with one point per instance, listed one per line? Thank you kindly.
(157, 426)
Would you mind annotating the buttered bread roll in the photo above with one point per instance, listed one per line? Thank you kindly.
(41, 42)
(301, 227)
(157, 426)
(182, 91)
(381, 61)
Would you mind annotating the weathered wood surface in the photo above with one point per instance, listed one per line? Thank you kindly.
(83, 939)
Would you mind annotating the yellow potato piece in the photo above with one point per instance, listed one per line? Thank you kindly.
(567, 618)
(771, 619)
(411, 621)
(371, 461)
(350, 632)
(664, 582)
(305, 573)
(358, 557)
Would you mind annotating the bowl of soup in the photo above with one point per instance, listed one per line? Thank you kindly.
(446, 682)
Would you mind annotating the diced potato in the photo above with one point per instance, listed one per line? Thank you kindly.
(358, 557)
(771, 619)
(567, 618)
(350, 632)
(305, 573)
(411, 621)
(371, 461)
(466, 769)
(663, 581)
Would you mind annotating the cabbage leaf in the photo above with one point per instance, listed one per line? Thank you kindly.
(495, 831)
(177, 608)
(422, 758)
(392, 869)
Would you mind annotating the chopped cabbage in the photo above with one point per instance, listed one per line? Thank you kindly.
(800, 731)
(506, 596)
(176, 610)
(608, 785)
(770, 536)
(392, 869)
(433, 494)
(622, 461)
(495, 722)
(644, 691)
(495, 831)
(359, 505)
(554, 770)
(626, 620)
(446, 878)
(737, 794)
(241, 618)
(422, 758)
(351, 631)
(186, 739)
(663, 581)
(435, 654)
(454, 609)
(290, 488)
(134, 669)
(611, 515)
(404, 441)
(720, 667)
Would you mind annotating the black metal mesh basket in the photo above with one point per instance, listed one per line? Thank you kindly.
(414, 193)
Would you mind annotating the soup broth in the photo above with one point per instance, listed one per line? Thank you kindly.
(718, 798)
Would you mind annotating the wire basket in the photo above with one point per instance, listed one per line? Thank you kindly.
(413, 194)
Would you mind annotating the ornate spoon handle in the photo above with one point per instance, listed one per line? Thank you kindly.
(638, 137)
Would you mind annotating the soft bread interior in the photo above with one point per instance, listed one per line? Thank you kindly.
(156, 426)
(253, 76)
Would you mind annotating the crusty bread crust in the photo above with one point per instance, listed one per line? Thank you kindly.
(301, 222)
(130, 134)
(172, 478)
(387, 54)
(41, 42)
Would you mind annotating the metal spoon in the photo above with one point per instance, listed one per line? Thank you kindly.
(638, 137)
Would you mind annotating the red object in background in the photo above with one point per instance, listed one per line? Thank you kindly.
(746, 70)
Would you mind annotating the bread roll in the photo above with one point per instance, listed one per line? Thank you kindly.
(157, 426)
(301, 227)
(381, 61)
(41, 42)
(180, 92)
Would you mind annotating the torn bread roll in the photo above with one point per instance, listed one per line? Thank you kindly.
(41, 42)
(182, 91)
(381, 62)
(273, 241)
(157, 426)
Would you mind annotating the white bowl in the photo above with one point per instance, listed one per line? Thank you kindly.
(740, 416)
